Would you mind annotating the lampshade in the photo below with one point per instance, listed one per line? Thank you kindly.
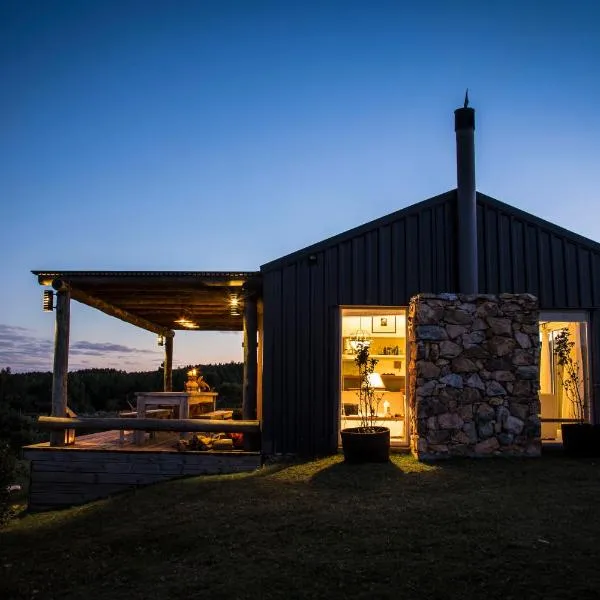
(375, 381)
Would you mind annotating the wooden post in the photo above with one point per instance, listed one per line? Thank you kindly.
(250, 358)
(168, 370)
(61, 365)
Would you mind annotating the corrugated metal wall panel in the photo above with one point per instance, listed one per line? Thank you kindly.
(398, 261)
(289, 358)
(520, 255)
(594, 331)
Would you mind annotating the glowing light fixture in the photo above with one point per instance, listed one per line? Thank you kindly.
(48, 301)
(376, 382)
(161, 340)
(234, 305)
(186, 321)
(359, 340)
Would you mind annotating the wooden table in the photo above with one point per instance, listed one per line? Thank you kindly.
(179, 400)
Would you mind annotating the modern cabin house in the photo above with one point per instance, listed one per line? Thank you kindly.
(303, 314)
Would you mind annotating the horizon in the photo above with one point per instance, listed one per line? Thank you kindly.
(49, 372)
(221, 136)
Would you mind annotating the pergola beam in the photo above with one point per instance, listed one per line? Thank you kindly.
(115, 311)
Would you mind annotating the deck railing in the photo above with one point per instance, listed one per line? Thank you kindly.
(250, 428)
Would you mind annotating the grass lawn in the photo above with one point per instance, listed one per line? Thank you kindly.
(472, 529)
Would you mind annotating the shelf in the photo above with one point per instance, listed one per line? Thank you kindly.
(396, 356)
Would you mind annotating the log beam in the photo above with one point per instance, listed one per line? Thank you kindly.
(61, 364)
(250, 358)
(114, 311)
(116, 424)
(168, 366)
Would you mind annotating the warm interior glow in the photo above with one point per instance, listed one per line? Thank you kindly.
(383, 331)
(553, 400)
(359, 339)
(376, 382)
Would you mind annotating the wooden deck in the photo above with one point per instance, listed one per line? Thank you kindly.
(99, 465)
(110, 440)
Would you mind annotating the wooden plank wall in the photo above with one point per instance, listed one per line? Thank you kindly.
(66, 477)
(382, 264)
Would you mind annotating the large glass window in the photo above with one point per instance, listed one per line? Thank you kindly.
(556, 407)
(384, 330)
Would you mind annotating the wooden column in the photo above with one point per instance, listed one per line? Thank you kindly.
(61, 365)
(168, 370)
(250, 358)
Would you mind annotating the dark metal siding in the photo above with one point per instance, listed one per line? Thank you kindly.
(594, 363)
(383, 263)
(519, 253)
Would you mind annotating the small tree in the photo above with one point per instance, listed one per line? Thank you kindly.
(570, 376)
(368, 399)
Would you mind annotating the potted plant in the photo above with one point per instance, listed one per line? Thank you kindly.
(578, 437)
(368, 442)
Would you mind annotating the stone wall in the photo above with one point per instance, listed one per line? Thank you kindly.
(473, 375)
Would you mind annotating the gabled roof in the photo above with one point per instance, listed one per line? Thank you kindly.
(448, 196)
(508, 209)
(360, 230)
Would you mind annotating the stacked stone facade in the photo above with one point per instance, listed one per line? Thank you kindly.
(473, 375)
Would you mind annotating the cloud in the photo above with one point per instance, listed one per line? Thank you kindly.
(23, 351)
(103, 347)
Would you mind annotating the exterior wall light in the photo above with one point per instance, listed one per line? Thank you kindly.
(48, 301)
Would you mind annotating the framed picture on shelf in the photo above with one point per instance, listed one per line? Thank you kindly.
(383, 324)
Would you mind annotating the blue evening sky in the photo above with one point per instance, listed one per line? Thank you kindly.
(221, 135)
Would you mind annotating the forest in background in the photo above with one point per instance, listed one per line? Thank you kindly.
(23, 396)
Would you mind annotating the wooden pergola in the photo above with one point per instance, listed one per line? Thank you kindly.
(161, 302)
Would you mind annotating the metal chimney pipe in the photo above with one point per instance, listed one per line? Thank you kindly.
(464, 126)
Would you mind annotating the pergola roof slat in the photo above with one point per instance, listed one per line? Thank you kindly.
(155, 300)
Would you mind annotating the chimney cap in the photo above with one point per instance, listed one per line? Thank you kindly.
(464, 118)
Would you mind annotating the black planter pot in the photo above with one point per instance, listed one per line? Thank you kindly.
(370, 444)
(581, 439)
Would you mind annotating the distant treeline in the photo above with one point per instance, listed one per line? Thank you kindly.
(25, 395)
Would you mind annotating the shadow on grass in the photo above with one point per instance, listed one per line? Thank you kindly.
(367, 476)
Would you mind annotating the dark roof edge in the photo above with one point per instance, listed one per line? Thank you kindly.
(360, 230)
(551, 227)
(147, 273)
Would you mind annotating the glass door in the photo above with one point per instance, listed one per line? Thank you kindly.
(384, 331)
(556, 405)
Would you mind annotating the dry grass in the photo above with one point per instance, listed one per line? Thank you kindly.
(471, 529)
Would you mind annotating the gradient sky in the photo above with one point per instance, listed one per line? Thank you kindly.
(221, 135)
